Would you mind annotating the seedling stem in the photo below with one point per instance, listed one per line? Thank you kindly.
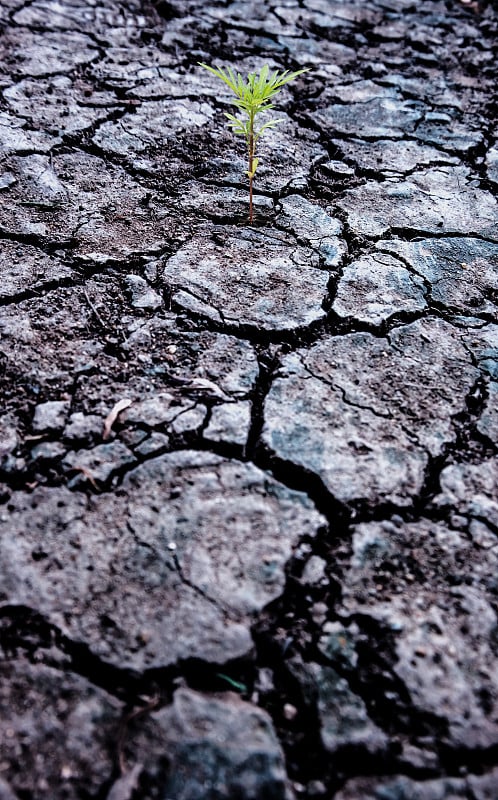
(253, 96)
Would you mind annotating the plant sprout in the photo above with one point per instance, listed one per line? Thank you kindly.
(253, 95)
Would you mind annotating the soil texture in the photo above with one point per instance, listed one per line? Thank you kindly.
(248, 473)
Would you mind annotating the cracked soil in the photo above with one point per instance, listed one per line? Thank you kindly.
(248, 474)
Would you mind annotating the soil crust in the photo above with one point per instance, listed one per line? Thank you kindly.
(248, 473)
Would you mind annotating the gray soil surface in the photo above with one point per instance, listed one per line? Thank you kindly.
(248, 473)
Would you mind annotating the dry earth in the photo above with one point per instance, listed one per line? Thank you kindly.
(272, 572)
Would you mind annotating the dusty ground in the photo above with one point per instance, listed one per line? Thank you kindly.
(272, 573)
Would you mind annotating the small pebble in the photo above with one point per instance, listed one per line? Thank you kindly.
(290, 711)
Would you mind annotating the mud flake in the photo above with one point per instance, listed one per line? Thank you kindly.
(338, 409)
(375, 287)
(399, 787)
(142, 295)
(113, 22)
(389, 157)
(214, 740)
(442, 200)
(488, 421)
(229, 364)
(447, 133)
(492, 164)
(462, 271)
(99, 463)
(247, 279)
(342, 714)
(61, 722)
(162, 409)
(229, 423)
(33, 54)
(26, 268)
(60, 103)
(483, 344)
(407, 578)
(315, 227)
(232, 528)
(15, 137)
(471, 489)
(151, 125)
(51, 416)
(380, 117)
(226, 202)
(76, 198)
(9, 437)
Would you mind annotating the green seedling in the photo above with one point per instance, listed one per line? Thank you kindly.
(253, 95)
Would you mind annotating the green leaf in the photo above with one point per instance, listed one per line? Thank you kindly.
(227, 78)
(241, 687)
(262, 81)
(270, 124)
(237, 125)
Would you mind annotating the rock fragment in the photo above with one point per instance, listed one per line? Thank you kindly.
(152, 444)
